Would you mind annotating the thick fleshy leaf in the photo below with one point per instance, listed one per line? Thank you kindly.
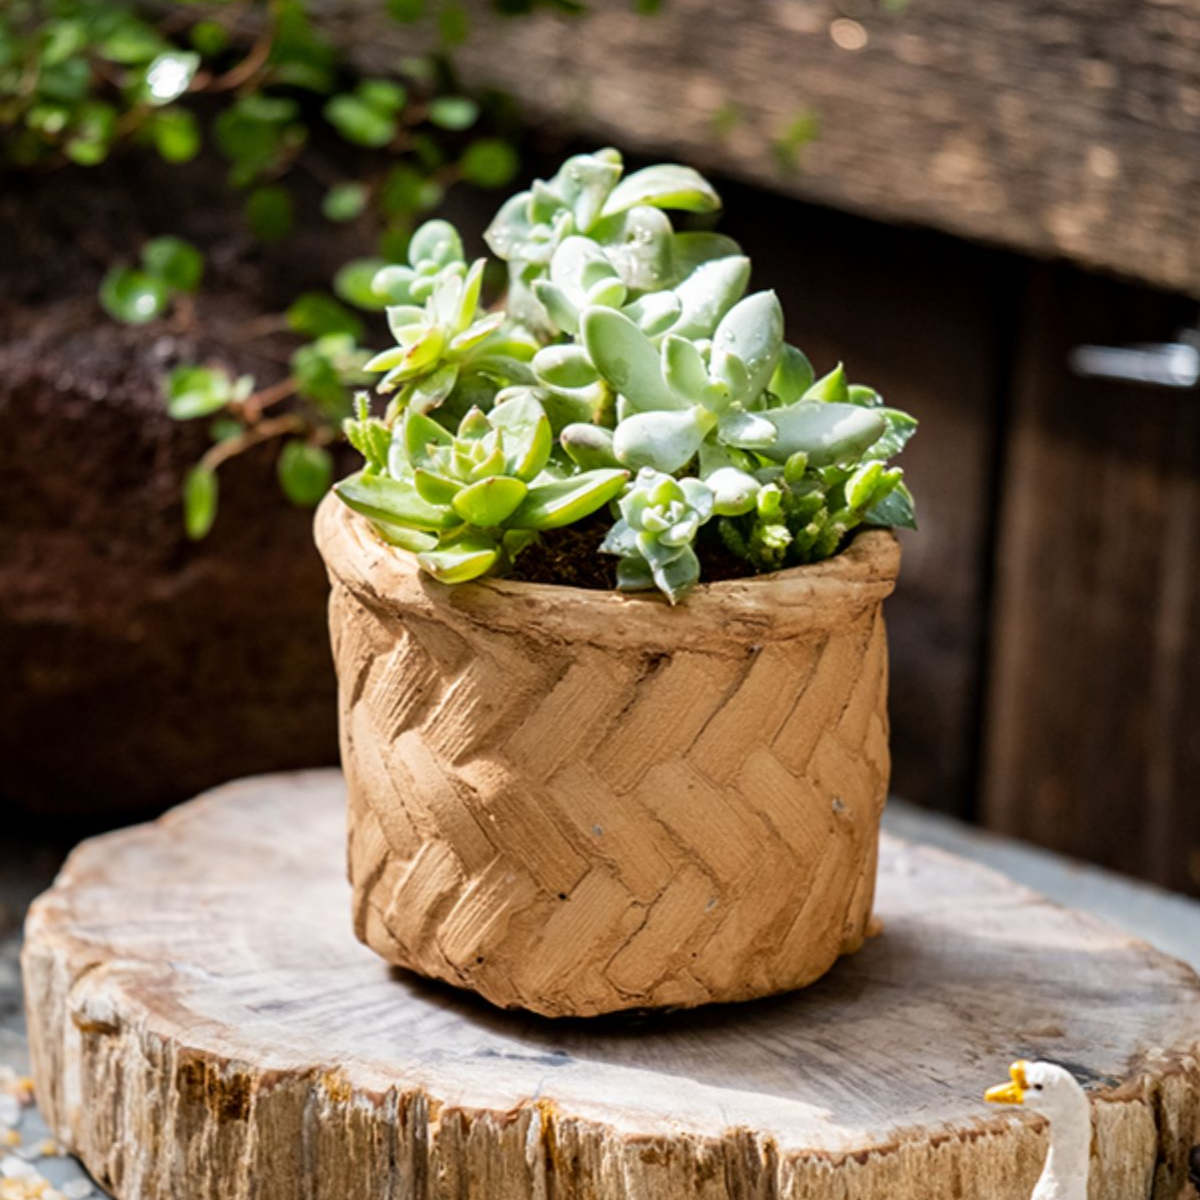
(417, 359)
(430, 391)
(407, 539)
(200, 492)
(667, 185)
(475, 335)
(793, 376)
(490, 502)
(640, 244)
(582, 270)
(528, 438)
(511, 227)
(560, 308)
(752, 431)
(752, 331)
(634, 575)
(589, 446)
(565, 366)
(394, 501)
(827, 433)
(900, 427)
(412, 443)
(692, 249)
(684, 368)
(393, 284)
(733, 491)
(896, 508)
(436, 489)
(861, 485)
(435, 242)
(830, 389)
(708, 293)
(469, 298)
(584, 183)
(626, 357)
(665, 441)
(565, 501)
(461, 562)
(655, 312)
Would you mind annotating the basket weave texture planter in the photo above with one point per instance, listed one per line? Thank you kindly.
(576, 802)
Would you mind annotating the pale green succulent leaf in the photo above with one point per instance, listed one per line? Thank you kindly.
(394, 501)
(393, 284)
(565, 501)
(827, 433)
(684, 368)
(464, 560)
(634, 575)
(734, 491)
(666, 441)
(490, 502)
(565, 366)
(528, 438)
(475, 335)
(627, 359)
(403, 319)
(510, 228)
(899, 428)
(584, 183)
(406, 539)
(430, 391)
(654, 313)
(752, 431)
(895, 509)
(639, 243)
(560, 308)
(472, 287)
(860, 487)
(793, 376)
(667, 185)
(708, 293)
(691, 250)
(435, 488)
(751, 331)
(589, 446)
(436, 242)
(868, 397)
(830, 389)
(415, 440)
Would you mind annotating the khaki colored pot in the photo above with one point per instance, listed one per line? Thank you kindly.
(575, 801)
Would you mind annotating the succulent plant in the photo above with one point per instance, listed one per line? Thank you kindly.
(645, 360)
(660, 516)
(468, 502)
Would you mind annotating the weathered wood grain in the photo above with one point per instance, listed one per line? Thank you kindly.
(1052, 126)
(1093, 743)
(204, 1025)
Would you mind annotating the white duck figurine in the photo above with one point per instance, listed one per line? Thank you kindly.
(1053, 1092)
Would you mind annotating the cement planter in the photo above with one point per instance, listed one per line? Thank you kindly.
(576, 802)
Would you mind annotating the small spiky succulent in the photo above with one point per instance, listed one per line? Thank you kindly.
(627, 367)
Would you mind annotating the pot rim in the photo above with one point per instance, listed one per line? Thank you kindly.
(817, 596)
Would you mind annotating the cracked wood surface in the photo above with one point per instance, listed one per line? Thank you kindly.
(577, 802)
(203, 1024)
(1051, 126)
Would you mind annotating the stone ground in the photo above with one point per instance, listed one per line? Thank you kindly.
(28, 864)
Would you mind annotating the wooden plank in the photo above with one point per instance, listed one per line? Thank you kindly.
(263, 1052)
(1051, 126)
(1094, 712)
(927, 320)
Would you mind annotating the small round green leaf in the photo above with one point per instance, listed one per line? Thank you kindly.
(360, 122)
(344, 202)
(270, 213)
(453, 112)
(316, 314)
(197, 392)
(176, 262)
(355, 283)
(175, 134)
(199, 501)
(133, 296)
(305, 472)
(489, 163)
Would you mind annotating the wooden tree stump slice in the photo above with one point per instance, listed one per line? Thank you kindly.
(204, 1024)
